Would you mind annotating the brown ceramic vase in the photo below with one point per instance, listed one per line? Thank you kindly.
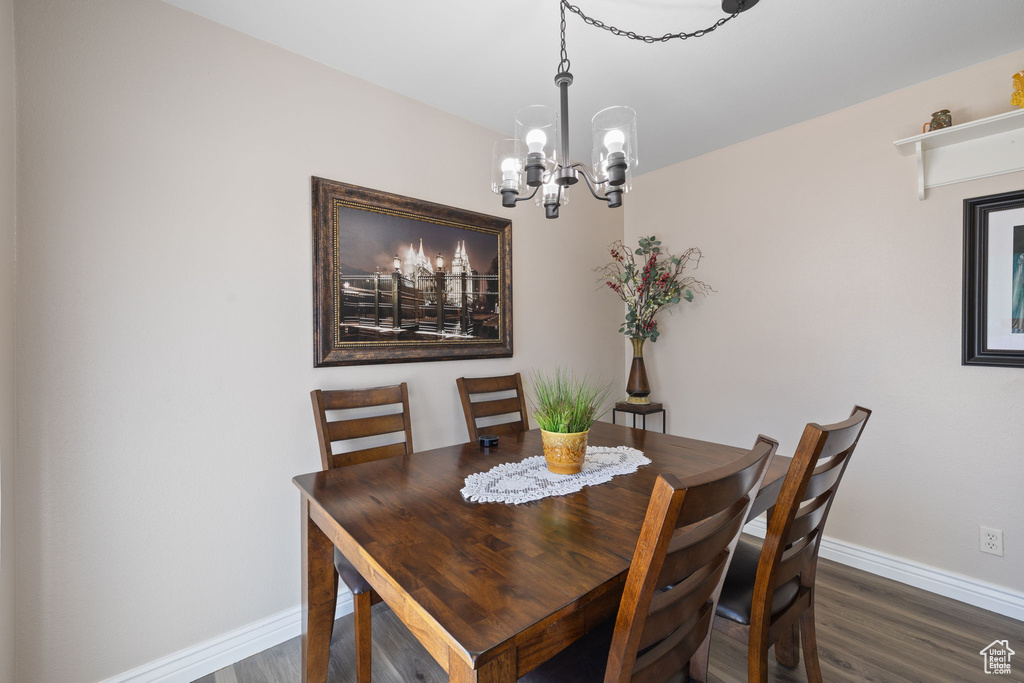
(637, 386)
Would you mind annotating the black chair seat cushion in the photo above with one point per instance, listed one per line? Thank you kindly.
(738, 589)
(349, 575)
(582, 662)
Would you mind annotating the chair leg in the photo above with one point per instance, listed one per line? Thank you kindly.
(361, 615)
(810, 645)
(699, 662)
(787, 648)
(757, 661)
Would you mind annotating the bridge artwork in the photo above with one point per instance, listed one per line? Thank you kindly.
(390, 307)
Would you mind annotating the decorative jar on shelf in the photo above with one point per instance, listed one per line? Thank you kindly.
(940, 119)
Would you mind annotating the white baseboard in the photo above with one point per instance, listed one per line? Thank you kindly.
(932, 579)
(199, 660)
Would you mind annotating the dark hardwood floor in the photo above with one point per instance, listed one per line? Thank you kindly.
(869, 629)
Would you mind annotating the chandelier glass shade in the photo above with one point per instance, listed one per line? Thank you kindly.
(614, 146)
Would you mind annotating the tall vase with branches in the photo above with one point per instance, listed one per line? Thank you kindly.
(648, 281)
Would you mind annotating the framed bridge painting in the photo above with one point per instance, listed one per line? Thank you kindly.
(398, 280)
(993, 307)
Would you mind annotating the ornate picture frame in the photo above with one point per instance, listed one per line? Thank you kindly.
(401, 280)
(993, 287)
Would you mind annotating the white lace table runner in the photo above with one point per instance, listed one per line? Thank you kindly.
(530, 479)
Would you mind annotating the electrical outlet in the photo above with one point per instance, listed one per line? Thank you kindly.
(992, 541)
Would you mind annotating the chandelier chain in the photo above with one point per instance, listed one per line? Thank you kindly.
(563, 63)
(632, 35)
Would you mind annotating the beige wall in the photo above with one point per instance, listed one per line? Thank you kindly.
(165, 300)
(837, 286)
(7, 340)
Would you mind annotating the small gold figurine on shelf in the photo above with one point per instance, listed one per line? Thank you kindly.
(1018, 90)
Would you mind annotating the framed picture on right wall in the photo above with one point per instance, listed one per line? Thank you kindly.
(993, 315)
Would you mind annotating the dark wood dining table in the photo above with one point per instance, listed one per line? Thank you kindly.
(491, 590)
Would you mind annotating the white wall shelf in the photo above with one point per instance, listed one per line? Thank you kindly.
(969, 151)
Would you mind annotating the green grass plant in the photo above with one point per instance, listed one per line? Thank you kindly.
(567, 404)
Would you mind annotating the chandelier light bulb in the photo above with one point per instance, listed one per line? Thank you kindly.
(614, 140)
(535, 140)
(509, 170)
(510, 174)
(550, 193)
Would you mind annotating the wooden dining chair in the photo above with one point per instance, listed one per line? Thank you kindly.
(768, 595)
(470, 386)
(662, 631)
(342, 430)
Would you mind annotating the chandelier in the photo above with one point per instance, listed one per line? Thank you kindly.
(538, 157)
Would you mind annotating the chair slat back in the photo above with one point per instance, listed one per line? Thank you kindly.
(342, 430)
(684, 548)
(729, 482)
(791, 544)
(506, 429)
(330, 431)
(514, 407)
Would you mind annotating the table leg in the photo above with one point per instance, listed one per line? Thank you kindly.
(319, 598)
(501, 669)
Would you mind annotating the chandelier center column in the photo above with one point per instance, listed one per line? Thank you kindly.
(565, 174)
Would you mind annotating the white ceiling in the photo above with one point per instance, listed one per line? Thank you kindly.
(779, 63)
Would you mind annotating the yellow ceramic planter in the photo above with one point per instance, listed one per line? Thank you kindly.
(564, 453)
